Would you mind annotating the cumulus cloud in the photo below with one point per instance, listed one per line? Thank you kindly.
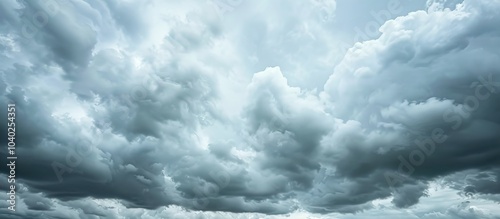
(239, 109)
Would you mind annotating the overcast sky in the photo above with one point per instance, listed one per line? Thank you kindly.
(252, 108)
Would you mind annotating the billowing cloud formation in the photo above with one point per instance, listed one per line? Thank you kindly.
(128, 109)
(420, 99)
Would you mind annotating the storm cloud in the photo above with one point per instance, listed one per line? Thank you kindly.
(251, 109)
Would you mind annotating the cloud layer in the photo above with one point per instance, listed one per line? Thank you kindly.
(239, 109)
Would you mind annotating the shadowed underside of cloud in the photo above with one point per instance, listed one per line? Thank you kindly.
(122, 109)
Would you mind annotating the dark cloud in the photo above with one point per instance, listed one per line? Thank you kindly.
(453, 111)
(289, 131)
(122, 111)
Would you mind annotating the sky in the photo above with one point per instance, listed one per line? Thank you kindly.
(251, 109)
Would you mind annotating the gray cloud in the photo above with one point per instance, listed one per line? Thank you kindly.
(125, 110)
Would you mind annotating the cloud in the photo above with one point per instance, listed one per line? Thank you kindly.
(388, 101)
(124, 109)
